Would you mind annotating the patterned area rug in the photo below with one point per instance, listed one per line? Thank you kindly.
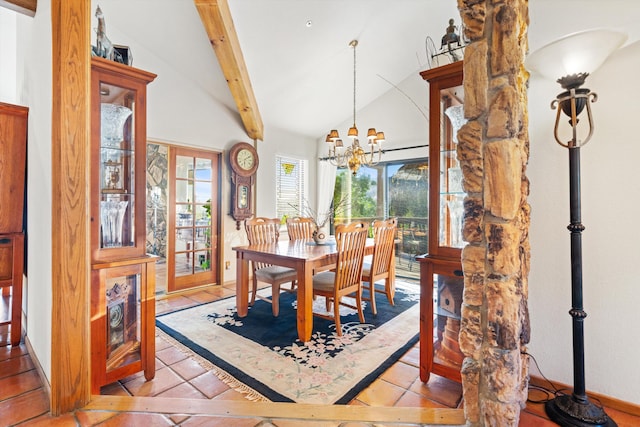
(264, 353)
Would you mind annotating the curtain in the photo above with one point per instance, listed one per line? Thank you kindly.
(326, 184)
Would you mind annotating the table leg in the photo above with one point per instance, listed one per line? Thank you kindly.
(242, 285)
(305, 302)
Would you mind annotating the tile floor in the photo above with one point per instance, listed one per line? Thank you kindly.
(24, 402)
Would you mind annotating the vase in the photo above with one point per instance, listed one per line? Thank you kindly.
(112, 121)
(112, 217)
(320, 235)
(456, 116)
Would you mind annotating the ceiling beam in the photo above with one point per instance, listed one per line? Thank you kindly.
(26, 7)
(217, 21)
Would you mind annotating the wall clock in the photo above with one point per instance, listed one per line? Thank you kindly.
(243, 159)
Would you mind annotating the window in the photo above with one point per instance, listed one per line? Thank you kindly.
(390, 189)
(291, 186)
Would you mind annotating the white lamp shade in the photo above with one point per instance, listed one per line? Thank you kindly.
(581, 52)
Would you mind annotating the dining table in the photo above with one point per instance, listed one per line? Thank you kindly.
(305, 256)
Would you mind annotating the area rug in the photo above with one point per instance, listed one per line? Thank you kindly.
(263, 352)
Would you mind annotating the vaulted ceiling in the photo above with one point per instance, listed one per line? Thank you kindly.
(296, 52)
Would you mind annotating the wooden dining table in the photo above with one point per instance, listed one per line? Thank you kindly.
(303, 256)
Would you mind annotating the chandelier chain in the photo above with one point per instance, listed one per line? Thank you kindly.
(354, 43)
(354, 156)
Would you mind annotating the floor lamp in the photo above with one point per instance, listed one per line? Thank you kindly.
(572, 58)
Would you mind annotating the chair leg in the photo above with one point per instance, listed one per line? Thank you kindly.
(255, 289)
(275, 300)
(336, 316)
(390, 290)
(372, 295)
(359, 305)
(327, 301)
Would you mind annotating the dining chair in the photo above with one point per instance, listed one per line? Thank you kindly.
(300, 228)
(346, 278)
(384, 236)
(267, 230)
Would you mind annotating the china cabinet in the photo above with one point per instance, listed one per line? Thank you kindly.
(123, 276)
(441, 278)
(13, 154)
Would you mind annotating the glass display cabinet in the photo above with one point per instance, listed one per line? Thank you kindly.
(441, 278)
(123, 276)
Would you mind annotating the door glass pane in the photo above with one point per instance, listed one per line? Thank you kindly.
(202, 261)
(184, 264)
(184, 167)
(184, 190)
(203, 169)
(203, 191)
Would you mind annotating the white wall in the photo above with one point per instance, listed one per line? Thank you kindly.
(610, 241)
(8, 51)
(33, 83)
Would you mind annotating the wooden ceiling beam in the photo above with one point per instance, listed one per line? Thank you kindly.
(26, 7)
(217, 21)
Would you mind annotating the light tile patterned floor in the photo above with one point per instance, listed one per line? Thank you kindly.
(23, 400)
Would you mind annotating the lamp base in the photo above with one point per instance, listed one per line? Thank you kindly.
(569, 412)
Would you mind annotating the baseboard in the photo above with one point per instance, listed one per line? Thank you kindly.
(609, 402)
(43, 378)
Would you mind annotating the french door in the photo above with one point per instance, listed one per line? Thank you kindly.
(192, 258)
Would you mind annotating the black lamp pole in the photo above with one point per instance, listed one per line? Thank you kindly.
(576, 409)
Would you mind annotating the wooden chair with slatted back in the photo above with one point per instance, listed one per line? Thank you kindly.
(346, 279)
(267, 230)
(384, 234)
(300, 228)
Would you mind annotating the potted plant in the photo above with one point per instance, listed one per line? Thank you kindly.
(321, 219)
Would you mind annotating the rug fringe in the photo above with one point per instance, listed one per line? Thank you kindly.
(225, 377)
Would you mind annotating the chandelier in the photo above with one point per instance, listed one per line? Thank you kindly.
(354, 155)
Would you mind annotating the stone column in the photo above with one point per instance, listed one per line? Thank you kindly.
(493, 150)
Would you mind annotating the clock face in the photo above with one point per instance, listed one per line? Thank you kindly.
(245, 159)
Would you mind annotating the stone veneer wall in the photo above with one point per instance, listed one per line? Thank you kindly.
(157, 184)
(493, 150)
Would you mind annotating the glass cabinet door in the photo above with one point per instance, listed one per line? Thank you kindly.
(451, 192)
(446, 195)
(117, 165)
(118, 147)
(122, 293)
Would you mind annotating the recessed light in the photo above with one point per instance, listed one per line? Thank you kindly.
(309, 23)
